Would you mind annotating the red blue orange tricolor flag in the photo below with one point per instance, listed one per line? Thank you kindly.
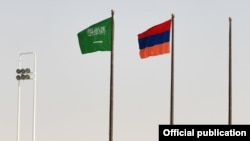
(155, 40)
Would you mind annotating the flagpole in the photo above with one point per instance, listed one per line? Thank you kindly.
(230, 75)
(111, 81)
(172, 75)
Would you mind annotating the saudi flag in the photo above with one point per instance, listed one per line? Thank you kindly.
(97, 37)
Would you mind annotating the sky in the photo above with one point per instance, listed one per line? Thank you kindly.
(73, 89)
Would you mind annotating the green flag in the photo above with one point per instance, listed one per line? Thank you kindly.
(97, 37)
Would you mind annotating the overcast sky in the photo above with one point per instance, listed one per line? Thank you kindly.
(73, 89)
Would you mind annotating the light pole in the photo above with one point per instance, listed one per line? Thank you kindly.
(24, 74)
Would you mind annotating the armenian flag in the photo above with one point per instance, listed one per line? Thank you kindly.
(155, 40)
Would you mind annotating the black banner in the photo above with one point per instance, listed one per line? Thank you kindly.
(199, 132)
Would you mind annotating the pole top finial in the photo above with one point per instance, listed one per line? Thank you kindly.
(230, 19)
(173, 15)
(112, 11)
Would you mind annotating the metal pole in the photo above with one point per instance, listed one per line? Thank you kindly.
(172, 76)
(18, 111)
(111, 82)
(230, 75)
(34, 98)
(19, 103)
